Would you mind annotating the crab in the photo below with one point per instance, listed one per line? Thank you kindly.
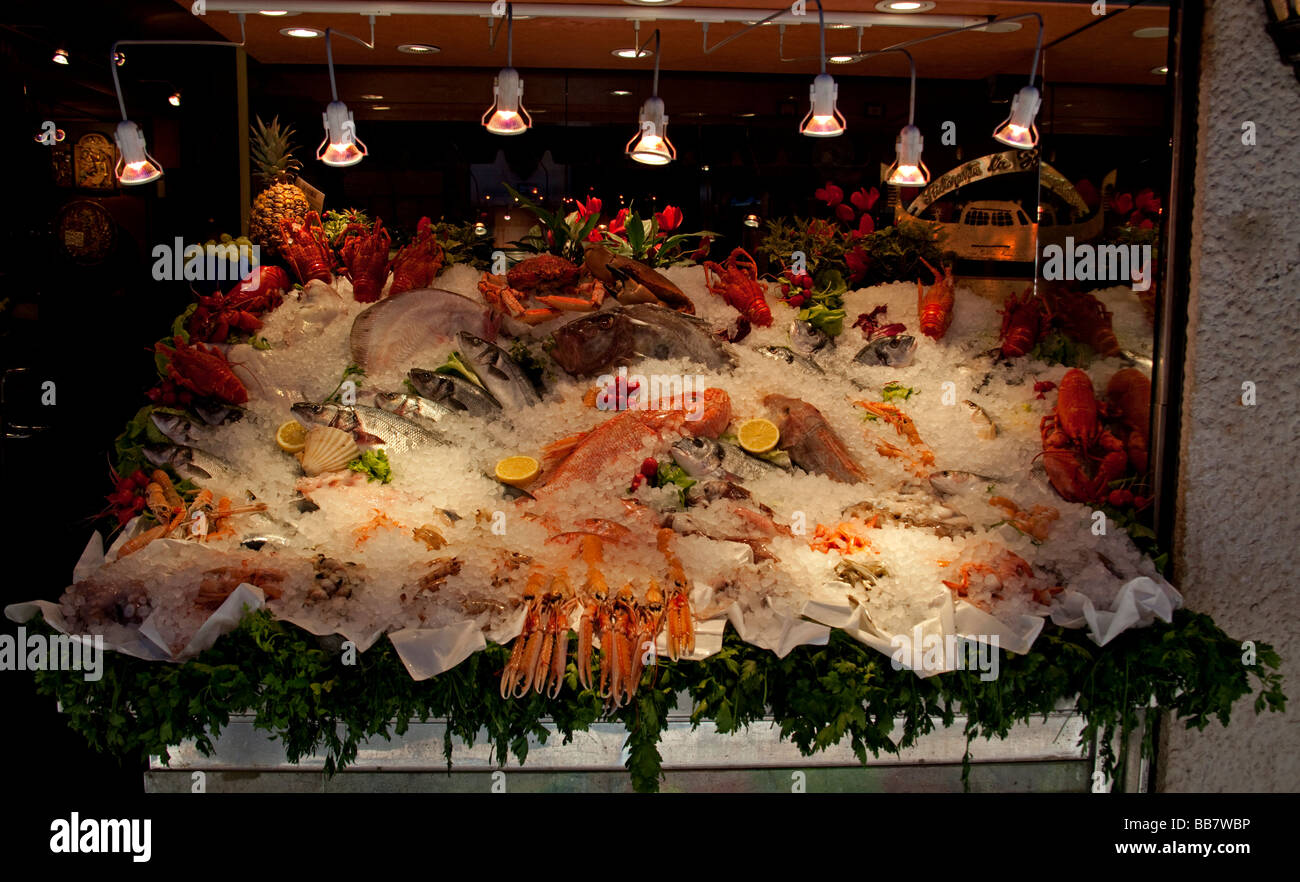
(549, 280)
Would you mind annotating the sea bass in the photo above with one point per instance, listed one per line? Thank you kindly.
(619, 336)
(369, 425)
(418, 410)
(454, 392)
(703, 457)
(890, 351)
(393, 331)
(811, 442)
(199, 466)
(789, 356)
(499, 372)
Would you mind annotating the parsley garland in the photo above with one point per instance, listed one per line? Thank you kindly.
(818, 695)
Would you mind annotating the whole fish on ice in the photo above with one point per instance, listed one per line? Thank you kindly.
(455, 392)
(369, 425)
(894, 351)
(985, 428)
(702, 457)
(502, 376)
(393, 331)
(421, 411)
(619, 336)
(811, 442)
(950, 482)
(789, 356)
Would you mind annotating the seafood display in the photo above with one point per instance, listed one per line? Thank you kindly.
(580, 461)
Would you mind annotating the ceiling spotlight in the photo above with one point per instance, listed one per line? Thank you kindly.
(1160, 71)
(341, 146)
(650, 146)
(305, 33)
(908, 170)
(134, 165)
(418, 48)
(273, 12)
(622, 93)
(842, 59)
(60, 56)
(904, 5)
(380, 107)
(631, 53)
(507, 115)
(372, 97)
(480, 229)
(751, 220)
(1018, 129)
(119, 58)
(174, 99)
(823, 120)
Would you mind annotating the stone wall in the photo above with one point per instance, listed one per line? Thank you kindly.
(1238, 513)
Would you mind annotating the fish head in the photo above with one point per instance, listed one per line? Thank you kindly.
(590, 343)
(805, 338)
(473, 346)
(900, 347)
(698, 456)
(429, 383)
(321, 414)
(167, 455)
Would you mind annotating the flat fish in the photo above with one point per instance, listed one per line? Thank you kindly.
(454, 392)
(502, 376)
(889, 351)
(393, 331)
(811, 442)
(370, 425)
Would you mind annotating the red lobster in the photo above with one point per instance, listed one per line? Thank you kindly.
(418, 262)
(1022, 323)
(365, 254)
(216, 315)
(737, 283)
(1129, 395)
(203, 370)
(1074, 439)
(307, 249)
(935, 306)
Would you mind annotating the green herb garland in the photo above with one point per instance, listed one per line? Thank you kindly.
(818, 695)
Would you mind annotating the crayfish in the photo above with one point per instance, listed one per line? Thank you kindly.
(934, 307)
(203, 370)
(736, 281)
(307, 249)
(1076, 444)
(418, 262)
(365, 254)
(218, 314)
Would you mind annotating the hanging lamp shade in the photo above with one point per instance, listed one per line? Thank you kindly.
(824, 119)
(507, 115)
(908, 170)
(1018, 129)
(341, 146)
(650, 145)
(134, 165)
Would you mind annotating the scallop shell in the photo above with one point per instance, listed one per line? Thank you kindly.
(328, 450)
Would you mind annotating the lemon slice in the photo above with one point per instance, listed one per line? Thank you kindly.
(291, 436)
(518, 471)
(758, 435)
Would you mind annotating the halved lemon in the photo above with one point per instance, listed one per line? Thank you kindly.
(518, 471)
(758, 435)
(291, 436)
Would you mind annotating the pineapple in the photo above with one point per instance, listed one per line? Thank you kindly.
(280, 199)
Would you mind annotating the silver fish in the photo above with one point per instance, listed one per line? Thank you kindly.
(890, 351)
(500, 373)
(454, 392)
(911, 510)
(197, 465)
(950, 482)
(175, 428)
(218, 415)
(369, 425)
(805, 338)
(789, 356)
(418, 410)
(257, 541)
(984, 426)
(707, 458)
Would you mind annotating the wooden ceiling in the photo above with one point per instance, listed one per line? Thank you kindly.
(1103, 51)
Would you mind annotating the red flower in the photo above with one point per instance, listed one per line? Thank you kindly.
(844, 212)
(588, 208)
(1147, 201)
(866, 225)
(703, 251)
(594, 235)
(831, 195)
(819, 229)
(670, 218)
(857, 261)
(1121, 203)
(616, 225)
(864, 199)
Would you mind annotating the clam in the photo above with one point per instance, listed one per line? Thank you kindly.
(328, 450)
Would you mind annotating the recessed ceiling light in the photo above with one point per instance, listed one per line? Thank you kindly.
(380, 107)
(839, 27)
(301, 32)
(904, 5)
(747, 115)
(632, 53)
(1151, 33)
(274, 12)
(842, 59)
(999, 27)
(418, 49)
(622, 93)
(372, 97)
(1161, 70)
